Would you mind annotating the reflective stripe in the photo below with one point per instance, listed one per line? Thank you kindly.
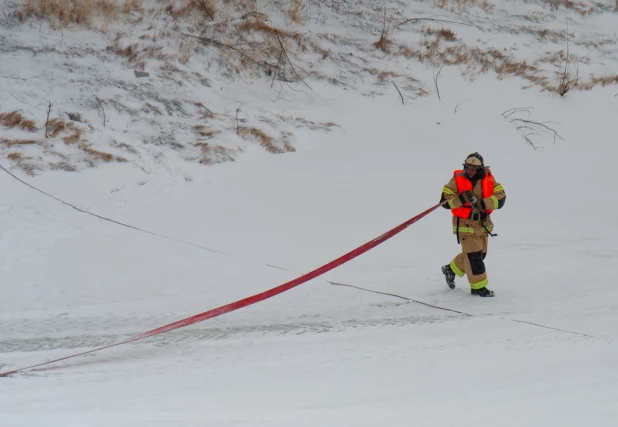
(448, 191)
(469, 230)
(456, 270)
(479, 285)
(498, 188)
(495, 200)
(451, 203)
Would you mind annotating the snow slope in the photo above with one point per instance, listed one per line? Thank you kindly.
(543, 352)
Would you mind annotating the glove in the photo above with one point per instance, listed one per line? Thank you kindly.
(467, 196)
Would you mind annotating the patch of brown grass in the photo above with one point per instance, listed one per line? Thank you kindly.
(212, 153)
(16, 119)
(14, 156)
(295, 12)
(570, 4)
(66, 12)
(99, 155)
(463, 5)
(65, 166)
(385, 76)
(599, 81)
(443, 33)
(57, 126)
(73, 138)
(205, 7)
(12, 142)
(265, 140)
(258, 25)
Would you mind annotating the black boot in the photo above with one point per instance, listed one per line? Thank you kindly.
(483, 292)
(449, 275)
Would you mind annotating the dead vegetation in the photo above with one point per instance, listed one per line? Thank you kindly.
(16, 119)
(266, 141)
(65, 12)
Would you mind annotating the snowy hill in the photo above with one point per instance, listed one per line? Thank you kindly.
(285, 135)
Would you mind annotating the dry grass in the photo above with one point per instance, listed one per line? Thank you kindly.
(99, 155)
(16, 119)
(463, 5)
(265, 140)
(62, 165)
(204, 7)
(57, 126)
(384, 44)
(66, 12)
(212, 154)
(295, 12)
(569, 4)
(443, 33)
(385, 76)
(13, 142)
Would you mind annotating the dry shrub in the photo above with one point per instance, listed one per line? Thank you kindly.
(14, 156)
(384, 44)
(265, 141)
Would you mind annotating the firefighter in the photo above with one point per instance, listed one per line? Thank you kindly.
(472, 194)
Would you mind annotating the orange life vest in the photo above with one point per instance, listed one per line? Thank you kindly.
(464, 184)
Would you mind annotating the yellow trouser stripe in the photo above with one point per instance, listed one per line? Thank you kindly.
(464, 230)
(479, 285)
(451, 203)
(456, 270)
(498, 188)
(448, 191)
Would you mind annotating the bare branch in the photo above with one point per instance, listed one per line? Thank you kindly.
(206, 9)
(13, 78)
(435, 80)
(285, 55)
(532, 122)
(402, 101)
(227, 46)
(530, 127)
(100, 108)
(459, 103)
(47, 119)
(508, 113)
(435, 20)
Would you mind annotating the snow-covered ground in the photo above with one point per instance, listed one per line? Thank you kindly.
(543, 352)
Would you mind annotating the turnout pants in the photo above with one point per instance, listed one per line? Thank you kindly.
(471, 260)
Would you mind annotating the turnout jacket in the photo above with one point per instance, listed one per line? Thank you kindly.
(468, 219)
